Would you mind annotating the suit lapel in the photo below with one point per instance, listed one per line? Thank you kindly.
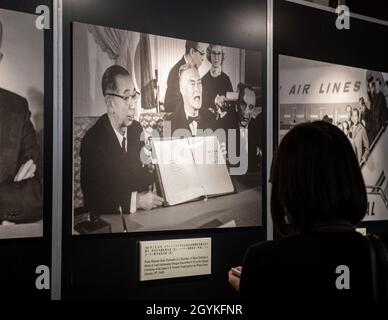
(112, 141)
(356, 130)
(182, 61)
(179, 120)
(10, 131)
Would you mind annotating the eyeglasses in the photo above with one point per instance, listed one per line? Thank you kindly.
(132, 99)
(216, 54)
(200, 52)
(244, 105)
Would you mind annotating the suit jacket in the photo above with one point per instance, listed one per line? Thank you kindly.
(380, 111)
(360, 140)
(108, 175)
(254, 140)
(18, 144)
(173, 99)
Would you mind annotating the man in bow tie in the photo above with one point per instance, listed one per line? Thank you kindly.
(186, 121)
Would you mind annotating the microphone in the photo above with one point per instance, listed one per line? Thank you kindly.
(156, 79)
(157, 90)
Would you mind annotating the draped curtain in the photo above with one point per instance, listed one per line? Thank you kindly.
(148, 84)
(116, 43)
(127, 49)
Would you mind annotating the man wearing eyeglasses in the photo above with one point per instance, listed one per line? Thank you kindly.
(21, 185)
(194, 54)
(113, 178)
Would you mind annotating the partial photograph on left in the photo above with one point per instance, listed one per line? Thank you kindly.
(21, 125)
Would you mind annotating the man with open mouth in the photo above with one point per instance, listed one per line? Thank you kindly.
(186, 121)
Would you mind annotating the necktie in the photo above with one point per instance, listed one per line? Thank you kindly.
(191, 119)
(123, 145)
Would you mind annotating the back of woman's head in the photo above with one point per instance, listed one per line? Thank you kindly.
(316, 178)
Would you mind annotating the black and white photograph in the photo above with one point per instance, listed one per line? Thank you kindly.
(355, 100)
(21, 125)
(167, 133)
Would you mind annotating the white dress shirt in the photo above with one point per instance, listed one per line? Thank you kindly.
(193, 127)
(244, 138)
(120, 138)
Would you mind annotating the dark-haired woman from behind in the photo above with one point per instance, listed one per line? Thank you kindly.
(318, 197)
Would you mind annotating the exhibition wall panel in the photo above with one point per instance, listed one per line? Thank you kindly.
(107, 265)
(305, 32)
(26, 151)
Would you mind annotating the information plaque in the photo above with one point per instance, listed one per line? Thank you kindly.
(174, 258)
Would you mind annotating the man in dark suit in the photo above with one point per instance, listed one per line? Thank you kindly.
(359, 137)
(113, 177)
(186, 121)
(194, 54)
(21, 198)
(250, 124)
(380, 107)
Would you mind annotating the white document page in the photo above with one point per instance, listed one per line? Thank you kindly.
(177, 169)
(212, 170)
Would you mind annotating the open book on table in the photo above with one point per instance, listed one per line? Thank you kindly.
(191, 168)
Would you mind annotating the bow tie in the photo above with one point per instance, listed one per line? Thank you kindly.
(191, 119)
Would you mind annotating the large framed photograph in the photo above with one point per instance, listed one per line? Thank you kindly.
(167, 133)
(355, 100)
(22, 100)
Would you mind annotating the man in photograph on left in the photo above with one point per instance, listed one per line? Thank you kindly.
(113, 177)
(21, 184)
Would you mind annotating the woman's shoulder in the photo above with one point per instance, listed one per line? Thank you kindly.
(307, 242)
(271, 245)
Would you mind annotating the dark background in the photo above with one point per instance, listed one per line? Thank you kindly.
(373, 8)
(309, 33)
(106, 266)
(20, 257)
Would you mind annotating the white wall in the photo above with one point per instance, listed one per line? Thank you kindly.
(22, 67)
(319, 76)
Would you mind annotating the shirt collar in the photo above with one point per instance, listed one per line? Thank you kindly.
(119, 136)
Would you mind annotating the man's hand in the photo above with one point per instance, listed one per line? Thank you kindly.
(148, 200)
(365, 156)
(26, 171)
(219, 102)
(224, 151)
(234, 280)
